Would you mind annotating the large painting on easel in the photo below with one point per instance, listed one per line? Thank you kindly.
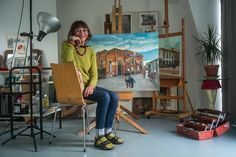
(170, 56)
(127, 61)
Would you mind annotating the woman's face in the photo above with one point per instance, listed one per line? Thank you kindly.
(82, 33)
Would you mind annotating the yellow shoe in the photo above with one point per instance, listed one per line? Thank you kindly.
(114, 139)
(103, 143)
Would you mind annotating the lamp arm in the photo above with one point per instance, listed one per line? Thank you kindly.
(24, 34)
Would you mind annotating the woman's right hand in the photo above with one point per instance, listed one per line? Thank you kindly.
(74, 38)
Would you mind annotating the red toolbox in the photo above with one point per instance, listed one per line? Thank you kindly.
(204, 124)
(193, 133)
(222, 128)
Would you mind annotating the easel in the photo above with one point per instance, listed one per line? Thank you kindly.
(127, 96)
(172, 82)
(123, 95)
(117, 17)
(107, 25)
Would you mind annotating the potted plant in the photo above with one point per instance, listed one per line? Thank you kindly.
(209, 50)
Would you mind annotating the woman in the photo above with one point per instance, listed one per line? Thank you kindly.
(84, 57)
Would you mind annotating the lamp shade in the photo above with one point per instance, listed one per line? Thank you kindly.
(47, 24)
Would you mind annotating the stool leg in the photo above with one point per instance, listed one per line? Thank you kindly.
(87, 120)
(84, 126)
(54, 121)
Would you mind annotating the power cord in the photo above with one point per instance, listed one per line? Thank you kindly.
(18, 34)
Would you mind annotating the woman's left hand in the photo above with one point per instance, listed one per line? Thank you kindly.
(89, 90)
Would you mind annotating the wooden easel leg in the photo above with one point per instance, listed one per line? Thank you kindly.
(91, 126)
(133, 123)
(129, 112)
(67, 112)
(119, 115)
(189, 100)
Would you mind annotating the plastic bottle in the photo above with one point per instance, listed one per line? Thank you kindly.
(35, 102)
(45, 101)
(17, 107)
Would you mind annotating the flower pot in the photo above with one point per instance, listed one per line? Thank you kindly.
(211, 70)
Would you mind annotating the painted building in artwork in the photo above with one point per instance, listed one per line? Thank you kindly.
(168, 57)
(116, 62)
(153, 70)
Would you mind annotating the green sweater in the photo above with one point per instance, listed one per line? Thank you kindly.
(86, 64)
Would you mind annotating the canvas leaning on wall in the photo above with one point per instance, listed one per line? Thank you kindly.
(127, 61)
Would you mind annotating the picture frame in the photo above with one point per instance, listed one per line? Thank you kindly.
(131, 22)
(127, 23)
(20, 43)
(148, 19)
(8, 56)
(9, 40)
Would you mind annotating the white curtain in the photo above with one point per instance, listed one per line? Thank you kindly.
(228, 12)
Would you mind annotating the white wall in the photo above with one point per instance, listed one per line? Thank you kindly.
(197, 13)
(204, 12)
(93, 12)
(10, 17)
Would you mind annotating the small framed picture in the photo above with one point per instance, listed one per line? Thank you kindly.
(20, 47)
(16, 44)
(147, 19)
(10, 38)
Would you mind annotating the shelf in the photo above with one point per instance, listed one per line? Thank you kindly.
(210, 78)
(14, 93)
(14, 83)
(47, 112)
(18, 73)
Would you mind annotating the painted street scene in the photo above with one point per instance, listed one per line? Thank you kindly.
(127, 61)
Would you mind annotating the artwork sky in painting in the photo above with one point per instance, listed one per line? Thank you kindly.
(143, 43)
(127, 61)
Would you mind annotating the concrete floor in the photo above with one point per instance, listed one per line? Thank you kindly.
(161, 141)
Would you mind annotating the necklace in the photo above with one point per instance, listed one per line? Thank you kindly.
(78, 52)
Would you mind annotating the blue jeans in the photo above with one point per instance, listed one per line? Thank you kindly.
(107, 102)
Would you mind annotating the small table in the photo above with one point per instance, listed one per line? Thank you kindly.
(210, 85)
(40, 115)
(50, 110)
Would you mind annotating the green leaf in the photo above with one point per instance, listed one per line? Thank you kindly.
(209, 46)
